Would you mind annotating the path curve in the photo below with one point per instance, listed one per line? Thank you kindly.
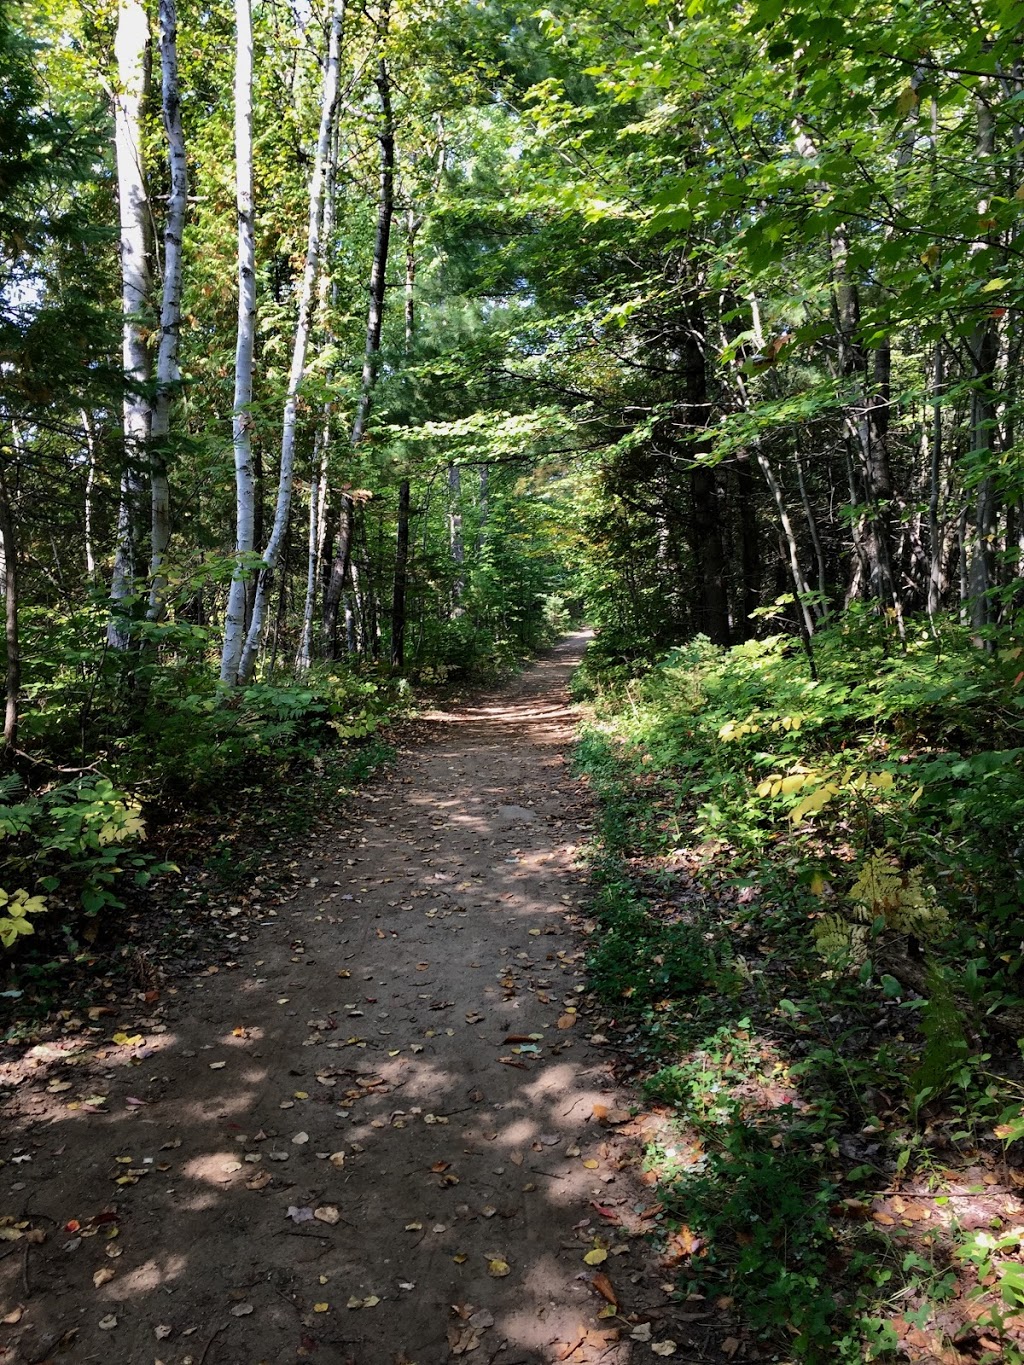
(377, 1141)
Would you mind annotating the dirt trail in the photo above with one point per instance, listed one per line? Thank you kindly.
(370, 1021)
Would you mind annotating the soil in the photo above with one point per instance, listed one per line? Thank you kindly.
(391, 1133)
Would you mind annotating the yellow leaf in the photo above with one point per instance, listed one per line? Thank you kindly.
(596, 1257)
(498, 1269)
(321, 1308)
(127, 1040)
(591, 1164)
(908, 99)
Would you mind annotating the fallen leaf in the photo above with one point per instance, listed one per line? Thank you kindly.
(103, 1276)
(108, 1323)
(604, 1287)
(217, 1066)
(162, 1332)
(300, 1139)
(498, 1268)
(664, 1348)
(591, 1164)
(337, 1159)
(596, 1257)
(327, 1213)
(321, 1308)
(566, 1021)
(297, 1215)
(127, 1040)
(642, 1332)
(14, 1316)
(241, 1310)
(260, 1181)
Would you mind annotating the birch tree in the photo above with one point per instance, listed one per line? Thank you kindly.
(131, 50)
(296, 373)
(167, 372)
(235, 615)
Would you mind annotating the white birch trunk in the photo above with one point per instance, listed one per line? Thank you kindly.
(272, 553)
(245, 482)
(167, 372)
(90, 484)
(455, 544)
(322, 441)
(304, 655)
(130, 46)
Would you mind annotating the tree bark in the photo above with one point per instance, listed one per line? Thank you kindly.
(378, 270)
(401, 580)
(245, 481)
(750, 545)
(455, 542)
(167, 372)
(482, 509)
(340, 570)
(131, 47)
(320, 465)
(297, 371)
(936, 575)
(90, 484)
(9, 586)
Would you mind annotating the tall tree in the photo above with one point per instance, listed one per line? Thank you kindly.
(132, 51)
(297, 370)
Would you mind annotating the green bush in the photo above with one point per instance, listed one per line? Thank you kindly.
(71, 846)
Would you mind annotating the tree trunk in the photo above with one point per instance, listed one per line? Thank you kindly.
(705, 523)
(297, 370)
(245, 482)
(304, 654)
(90, 485)
(482, 509)
(401, 580)
(131, 46)
(455, 544)
(412, 227)
(800, 586)
(821, 608)
(320, 466)
(378, 271)
(750, 545)
(167, 372)
(984, 348)
(936, 576)
(374, 325)
(9, 585)
(334, 592)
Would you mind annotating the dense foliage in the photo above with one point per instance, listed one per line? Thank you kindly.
(369, 368)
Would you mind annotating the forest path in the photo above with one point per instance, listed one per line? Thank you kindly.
(388, 1109)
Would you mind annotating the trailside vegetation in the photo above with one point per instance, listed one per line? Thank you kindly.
(350, 351)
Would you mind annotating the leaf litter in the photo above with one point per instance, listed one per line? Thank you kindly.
(526, 977)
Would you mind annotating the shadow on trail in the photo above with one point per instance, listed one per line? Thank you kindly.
(383, 1139)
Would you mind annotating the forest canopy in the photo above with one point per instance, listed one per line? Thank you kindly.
(351, 352)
